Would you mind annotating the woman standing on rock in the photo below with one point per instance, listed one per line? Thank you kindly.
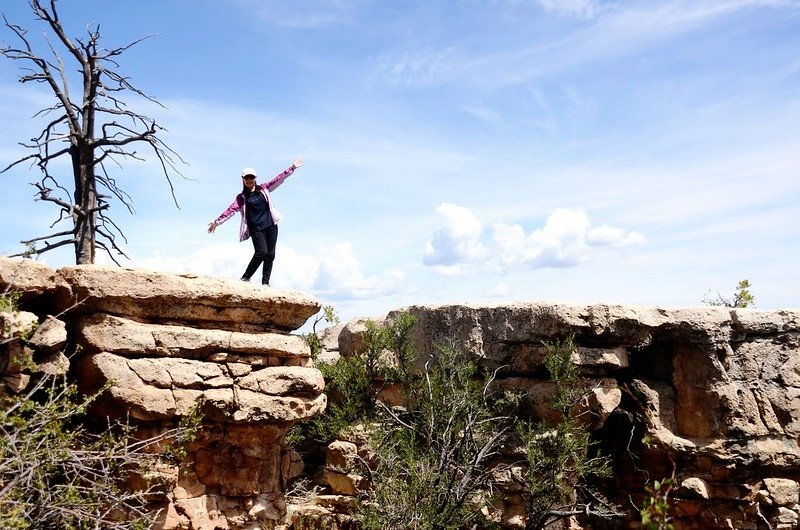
(259, 219)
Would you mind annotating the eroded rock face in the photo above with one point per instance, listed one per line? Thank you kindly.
(165, 346)
(715, 392)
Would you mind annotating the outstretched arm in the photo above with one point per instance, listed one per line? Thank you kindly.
(278, 179)
(232, 209)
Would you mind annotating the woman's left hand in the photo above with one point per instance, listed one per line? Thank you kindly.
(298, 162)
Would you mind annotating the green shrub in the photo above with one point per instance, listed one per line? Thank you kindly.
(742, 297)
(352, 384)
(558, 458)
(433, 457)
(56, 473)
(656, 505)
(436, 456)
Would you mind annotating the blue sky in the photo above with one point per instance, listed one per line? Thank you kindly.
(484, 151)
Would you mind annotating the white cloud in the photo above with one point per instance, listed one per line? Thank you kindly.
(339, 276)
(567, 239)
(483, 113)
(333, 274)
(501, 290)
(614, 237)
(458, 241)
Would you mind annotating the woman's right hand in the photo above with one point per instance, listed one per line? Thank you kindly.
(212, 227)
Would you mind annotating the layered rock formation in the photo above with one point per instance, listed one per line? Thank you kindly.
(168, 345)
(710, 395)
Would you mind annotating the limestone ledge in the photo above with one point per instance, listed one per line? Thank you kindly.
(190, 298)
(101, 332)
(202, 301)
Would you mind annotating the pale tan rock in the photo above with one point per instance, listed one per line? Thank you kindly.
(220, 404)
(33, 280)
(170, 519)
(284, 381)
(17, 324)
(187, 486)
(185, 298)
(329, 337)
(264, 509)
(328, 357)
(341, 503)
(187, 399)
(344, 483)
(16, 383)
(602, 400)
(202, 513)
(180, 373)
(257, 407)
(128, 393)
(784, 492)
(341, 455)
(310, 517)
(787, 519)
(492, 332)
(238, 370)
(55, 363)
(49, 336)
(695, 487)
(351, 338)
(607, 358)
(14, 357)
(126, 337)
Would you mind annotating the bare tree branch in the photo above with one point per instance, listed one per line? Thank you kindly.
(86, 129)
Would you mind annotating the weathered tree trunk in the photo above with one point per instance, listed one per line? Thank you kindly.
(86, 202)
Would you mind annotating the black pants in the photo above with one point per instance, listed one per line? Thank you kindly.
(264, 242)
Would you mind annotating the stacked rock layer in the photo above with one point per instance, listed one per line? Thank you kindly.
(166, 346)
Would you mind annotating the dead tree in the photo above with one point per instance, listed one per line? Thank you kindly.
(95, 131)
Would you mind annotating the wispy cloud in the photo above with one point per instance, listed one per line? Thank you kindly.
(578, 8)
(339, 276)
(501, 290)
(309, 14)
(421, 67)
(610, 31)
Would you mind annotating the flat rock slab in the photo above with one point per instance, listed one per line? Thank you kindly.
(122, 336)
(201, 300)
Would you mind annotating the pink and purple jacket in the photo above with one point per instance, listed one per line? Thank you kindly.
(239, 204)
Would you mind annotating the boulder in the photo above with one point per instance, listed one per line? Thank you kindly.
(49, 336)
(35, 282)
